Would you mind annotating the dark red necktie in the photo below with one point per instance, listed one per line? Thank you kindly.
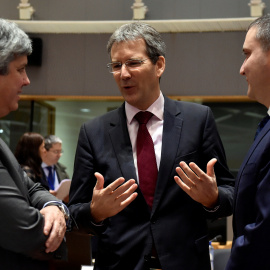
(146, 159)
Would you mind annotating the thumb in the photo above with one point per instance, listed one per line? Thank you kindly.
(210, 167)
(100, 181)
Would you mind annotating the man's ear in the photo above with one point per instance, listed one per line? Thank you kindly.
(160, 65)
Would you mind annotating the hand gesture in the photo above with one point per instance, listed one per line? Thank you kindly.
(200, 186)
(109, 201)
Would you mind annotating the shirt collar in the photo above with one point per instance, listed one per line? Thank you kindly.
(157, 109)
(44, 165)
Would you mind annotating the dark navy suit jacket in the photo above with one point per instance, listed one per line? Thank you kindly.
(176, 224)
(251, 222)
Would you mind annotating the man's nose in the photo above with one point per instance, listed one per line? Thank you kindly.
(125, 73)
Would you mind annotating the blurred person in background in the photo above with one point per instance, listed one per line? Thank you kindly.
(28, 153)
(53, 171)
(50, 160)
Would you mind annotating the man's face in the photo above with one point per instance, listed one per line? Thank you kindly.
(52, 156)
(139, 87)
(11, 85)
(256, 68)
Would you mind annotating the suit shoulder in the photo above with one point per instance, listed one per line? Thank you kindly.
(107, 117)
(192, 105)
(61, 166)
(185, 106)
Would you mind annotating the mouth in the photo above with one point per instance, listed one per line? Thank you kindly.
(127, 87)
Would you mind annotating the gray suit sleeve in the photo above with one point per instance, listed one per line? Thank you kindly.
(21, 225)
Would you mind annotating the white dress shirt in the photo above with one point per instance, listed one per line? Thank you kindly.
(46, 171)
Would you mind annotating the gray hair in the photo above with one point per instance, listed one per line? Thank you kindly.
(155, 45)
(50, 140)
(263, 31)
(13, 42)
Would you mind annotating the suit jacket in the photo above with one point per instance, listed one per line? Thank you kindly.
(176, 224)
(22, 241)
(61, 171)
(251, 220)
(61, 175)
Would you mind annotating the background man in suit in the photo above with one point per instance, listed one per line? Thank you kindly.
(50, 157)
(251, 219)
(32, 225)
(156, 225)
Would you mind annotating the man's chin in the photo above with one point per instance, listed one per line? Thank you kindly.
(15, 107)
(249, 94)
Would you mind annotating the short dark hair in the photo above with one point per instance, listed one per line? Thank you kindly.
(263, 31)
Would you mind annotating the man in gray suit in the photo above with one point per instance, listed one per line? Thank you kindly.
(32, 220)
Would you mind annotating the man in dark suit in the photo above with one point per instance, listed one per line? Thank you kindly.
(50, 157)
(32, 220)
(138, 228)
(251, 219)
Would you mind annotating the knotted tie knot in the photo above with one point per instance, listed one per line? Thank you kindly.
(143, 117)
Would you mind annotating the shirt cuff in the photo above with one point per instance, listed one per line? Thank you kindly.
(63, 208)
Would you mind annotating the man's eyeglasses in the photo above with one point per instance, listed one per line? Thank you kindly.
(131, 64)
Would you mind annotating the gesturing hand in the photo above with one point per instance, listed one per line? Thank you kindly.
(200, 186)
(109, 201)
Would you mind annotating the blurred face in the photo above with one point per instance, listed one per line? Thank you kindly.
(256, 69)
(52, 156)
(11, 85)
(139, 87)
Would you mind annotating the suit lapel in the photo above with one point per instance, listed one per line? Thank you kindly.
(171, 137)
(121, 144)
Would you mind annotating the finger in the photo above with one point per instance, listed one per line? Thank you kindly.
(124, 187)
(210, 167)
(100, 181)
(181, 184)
(53, 243)
(196, 170)
(56, 236)
(127, 191)
(48, 223)
(115, 184)
(129, 200)
(188, 171)
(185, 173)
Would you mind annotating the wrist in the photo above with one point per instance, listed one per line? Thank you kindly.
(62, 207)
